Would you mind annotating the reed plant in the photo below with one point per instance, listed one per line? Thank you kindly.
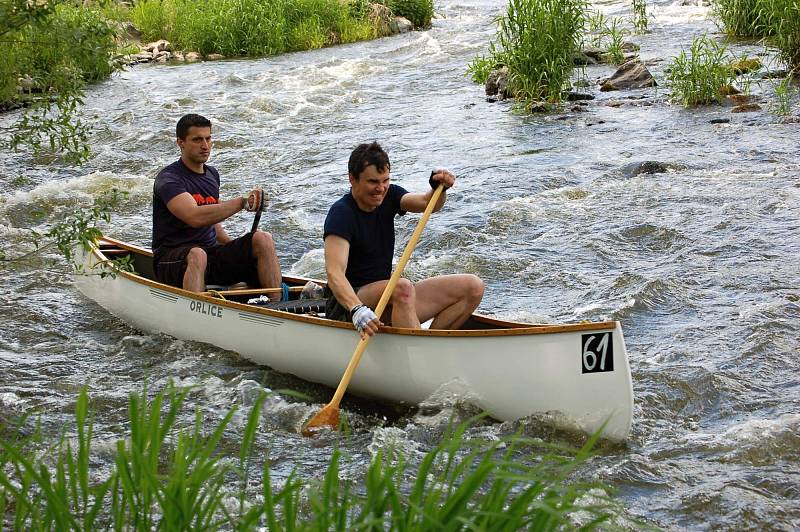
(746, 18)
(775, 20)
(785, 93)
(614, 37)
(639, 16)
(537, 41)
(699, 77)
(785, 19)
(171, 477)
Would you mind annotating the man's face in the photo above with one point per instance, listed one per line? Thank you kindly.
(370, 189)
(196, 147)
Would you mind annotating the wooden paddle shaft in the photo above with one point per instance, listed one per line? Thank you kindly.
(387, 293)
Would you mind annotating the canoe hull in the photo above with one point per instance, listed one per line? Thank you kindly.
(511, 373)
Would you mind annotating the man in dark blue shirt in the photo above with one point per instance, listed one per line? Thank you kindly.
(190, 247)
(359, 247)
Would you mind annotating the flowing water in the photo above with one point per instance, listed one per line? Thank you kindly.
(699, 263)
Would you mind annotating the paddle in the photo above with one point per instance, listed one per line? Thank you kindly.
(260, 209)
(329, 415)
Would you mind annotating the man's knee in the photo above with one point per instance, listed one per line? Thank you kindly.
(474, 288)
(404, 292)
(196, 258)
(263, 242)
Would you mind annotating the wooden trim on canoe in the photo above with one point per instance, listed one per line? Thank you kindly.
(250, 291)
(505, 328)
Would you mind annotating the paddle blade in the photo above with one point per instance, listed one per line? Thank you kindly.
(327, 417)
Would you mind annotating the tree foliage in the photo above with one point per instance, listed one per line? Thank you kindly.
(48, 52)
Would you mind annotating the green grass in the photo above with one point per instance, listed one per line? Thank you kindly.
(251, 27)
(536, 40)
(698, 77)
(171, 477)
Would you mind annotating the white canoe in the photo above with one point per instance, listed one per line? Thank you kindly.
(511, 370)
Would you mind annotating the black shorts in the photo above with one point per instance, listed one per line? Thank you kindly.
(333, 309)
(227, 264)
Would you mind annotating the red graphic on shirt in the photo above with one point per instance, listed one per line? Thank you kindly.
(200, 200)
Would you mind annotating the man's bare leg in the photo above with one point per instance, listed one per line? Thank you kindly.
(401, 309)
(449, 299)
(269, 269)
(194, 278)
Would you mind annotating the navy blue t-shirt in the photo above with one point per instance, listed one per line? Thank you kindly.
(168, 230)
(371, 235)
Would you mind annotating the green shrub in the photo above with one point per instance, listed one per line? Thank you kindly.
(419, 12)
(536, 40)
(699, 77)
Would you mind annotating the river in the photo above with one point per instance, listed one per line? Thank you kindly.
(699, 263)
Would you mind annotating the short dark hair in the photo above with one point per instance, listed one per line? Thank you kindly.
(190, 120)
(365, 155)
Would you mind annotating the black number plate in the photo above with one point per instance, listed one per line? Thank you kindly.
(597, 352)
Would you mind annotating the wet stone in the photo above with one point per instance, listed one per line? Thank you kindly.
(649, 167)
(746, 108)
(575, 96)
(630, 75)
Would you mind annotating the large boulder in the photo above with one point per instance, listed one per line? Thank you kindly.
(630, 75)
(160, 45)
(401, 25)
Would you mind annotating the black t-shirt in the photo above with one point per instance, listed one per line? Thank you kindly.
(371, 235)
(168, 230)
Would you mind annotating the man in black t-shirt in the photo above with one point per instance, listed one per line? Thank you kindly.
(359, 246)
(190, 247)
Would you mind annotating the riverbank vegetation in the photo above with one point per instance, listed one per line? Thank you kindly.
(257, 28)
(170, 475)
(50, 50)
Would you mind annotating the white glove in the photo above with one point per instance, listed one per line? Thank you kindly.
(253, 200)
(362, 315)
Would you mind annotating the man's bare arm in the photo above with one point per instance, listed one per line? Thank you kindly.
(186, 209)
(415, 202)
(336, 253)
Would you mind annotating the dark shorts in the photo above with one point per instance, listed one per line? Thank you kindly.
(227, 264)
(333, 310)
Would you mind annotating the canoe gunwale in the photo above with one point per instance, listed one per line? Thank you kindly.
(502, 327)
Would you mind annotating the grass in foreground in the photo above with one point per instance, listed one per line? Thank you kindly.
(174, 478)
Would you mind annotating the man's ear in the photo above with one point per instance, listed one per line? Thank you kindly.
(351, 178)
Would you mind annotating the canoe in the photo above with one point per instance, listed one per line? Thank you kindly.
(579, 372)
